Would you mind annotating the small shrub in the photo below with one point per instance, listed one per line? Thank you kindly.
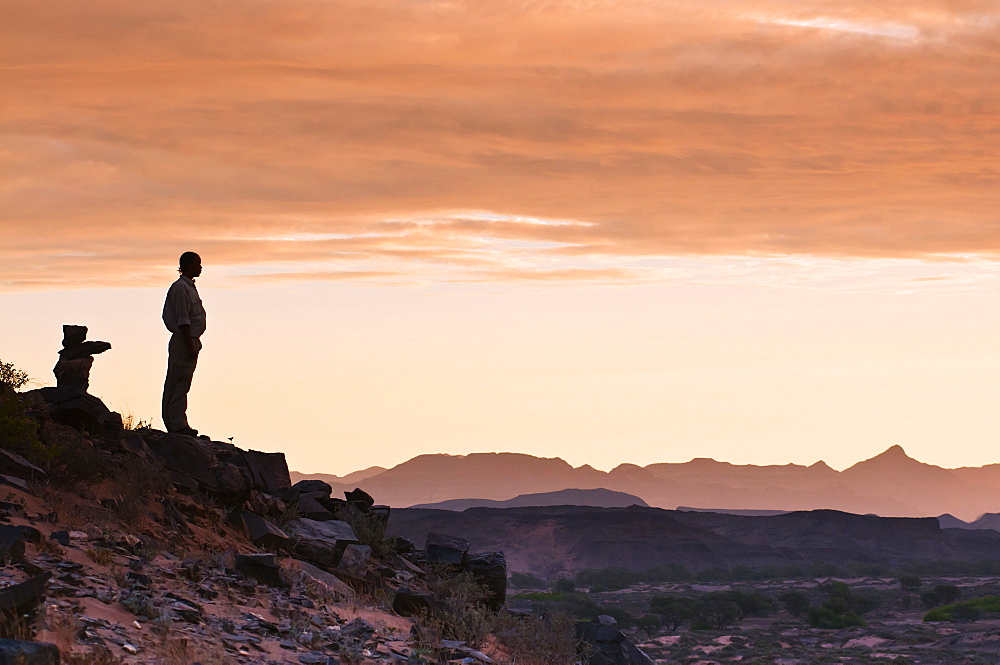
(565, 586)
(968, 610)
(462, 614)
(369, 527)
(842, 609)
(827, 616)
(101, 556)
(12, 377)
(534, 640)
(650, 624)
(18, 432)
(527, 581)
(673, 610)
(796, 602)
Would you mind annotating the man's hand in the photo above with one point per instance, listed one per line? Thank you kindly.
(189, 342)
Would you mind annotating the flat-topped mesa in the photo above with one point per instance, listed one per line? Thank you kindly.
(76, 358)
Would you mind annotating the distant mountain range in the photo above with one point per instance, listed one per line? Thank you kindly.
(600, 498)
(889, 484)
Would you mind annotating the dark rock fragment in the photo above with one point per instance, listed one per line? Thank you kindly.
(259, 530)
(76, 408)
(185, 456)
(19, 604)
(401, 545)
(16, 652)
(11, 544)
(308, 486)
(409, 603)
(175, 517)
(313, 509)
(357, 631)
(441, 548)
(354, 560)
(268, 471)
(31, 534)
(14, 464)
(490, 570)
(320, 542)
(609, 646)
(360, 497)
(61, 537)
(15, 482)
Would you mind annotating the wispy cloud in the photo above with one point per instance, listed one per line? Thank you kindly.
(354, 140)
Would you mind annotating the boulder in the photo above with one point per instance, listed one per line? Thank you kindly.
(15, 465)
(490, 571)
(15, 482)
(309, 486)
(76, 408)
(609, 646)
(261, 567)
(133, 443)
(268, 471)
(320, 542)
(401, 545)
(441, 548)
(360, 498)
(11, 544)
(318, 576)
(266, 504)
(354, 560)
(313, 509)
(18, 606)
(16, 652)
(261, 532)
(232, 483)
(410, 603)
(186, 456)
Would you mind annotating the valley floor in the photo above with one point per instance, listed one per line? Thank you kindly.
(895, 631)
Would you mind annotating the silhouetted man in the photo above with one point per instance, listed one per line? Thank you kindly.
(184, 316)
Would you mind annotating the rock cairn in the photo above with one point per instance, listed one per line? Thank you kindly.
(76, 358)
(69, 402)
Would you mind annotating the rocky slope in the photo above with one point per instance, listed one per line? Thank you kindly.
(146, 547)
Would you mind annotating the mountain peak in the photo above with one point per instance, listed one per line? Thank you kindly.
(893, 452)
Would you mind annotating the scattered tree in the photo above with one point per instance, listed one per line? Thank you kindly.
(796, 602)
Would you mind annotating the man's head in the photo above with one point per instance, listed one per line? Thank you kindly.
(190, 265)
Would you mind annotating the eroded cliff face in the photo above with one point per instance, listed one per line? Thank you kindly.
(548, 541)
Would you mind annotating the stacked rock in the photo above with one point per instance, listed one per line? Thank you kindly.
(76, 358)
(69, 402)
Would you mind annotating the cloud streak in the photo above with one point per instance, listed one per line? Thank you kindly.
(474, 141)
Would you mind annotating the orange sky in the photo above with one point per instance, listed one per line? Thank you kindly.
(447, 177)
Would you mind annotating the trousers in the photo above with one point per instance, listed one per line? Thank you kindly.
(180, 372)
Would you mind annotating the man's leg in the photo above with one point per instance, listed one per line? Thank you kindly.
(180, 372)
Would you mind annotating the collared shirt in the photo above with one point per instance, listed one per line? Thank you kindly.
(183, 307)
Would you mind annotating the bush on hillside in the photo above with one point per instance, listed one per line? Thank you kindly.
(18, 432)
